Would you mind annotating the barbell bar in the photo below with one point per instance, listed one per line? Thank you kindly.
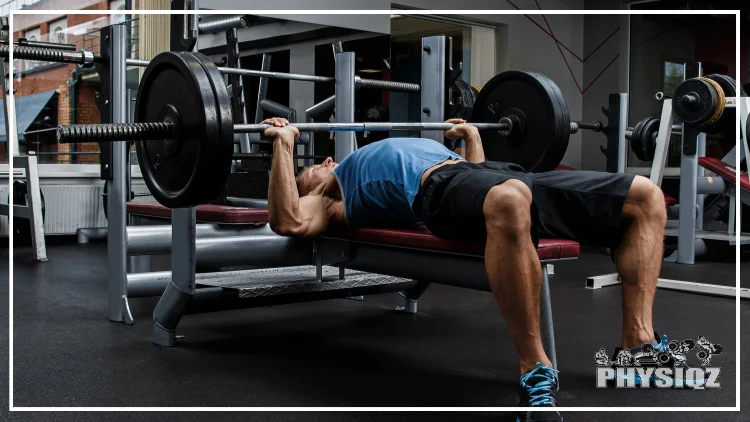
(81, 57)
(272, 75)
(87, 58)
(114, 132)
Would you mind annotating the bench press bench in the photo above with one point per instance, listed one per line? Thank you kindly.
(407, 259)
(728, 173)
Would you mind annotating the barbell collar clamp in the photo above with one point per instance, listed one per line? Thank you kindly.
(689, 99)
(595, 126)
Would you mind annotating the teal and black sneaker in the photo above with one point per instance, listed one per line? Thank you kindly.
(538, 389)
(659, 352)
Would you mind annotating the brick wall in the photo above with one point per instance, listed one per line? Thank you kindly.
(87, 113)
(57, 78)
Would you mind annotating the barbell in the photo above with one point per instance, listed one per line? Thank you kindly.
(87, 58)
(185, 129)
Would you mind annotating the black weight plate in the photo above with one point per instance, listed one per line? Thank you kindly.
(547, 121)
(173, 171)
(698, 112)
(377, 113)
(560, 148)
(463, 97)
(650, 128)
(636, 139)
(220, 163)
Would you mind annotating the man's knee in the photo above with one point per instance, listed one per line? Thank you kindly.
(507, 207)
(646, 202)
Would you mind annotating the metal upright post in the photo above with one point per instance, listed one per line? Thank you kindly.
(433, 84)
(622, 150)
(117, 187)
(546, 323)
(662, 142)
(686, 240)
(345, 87)
(238, 91)
(700, 198)
(265, 66)
(34, 201)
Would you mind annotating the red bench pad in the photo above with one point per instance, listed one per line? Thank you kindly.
(668, 200)
(206, 213)
(726, 171)
(421, 238)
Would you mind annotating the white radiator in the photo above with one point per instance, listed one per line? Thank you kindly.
(70, 207)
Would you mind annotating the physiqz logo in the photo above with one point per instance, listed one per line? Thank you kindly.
(662, 366)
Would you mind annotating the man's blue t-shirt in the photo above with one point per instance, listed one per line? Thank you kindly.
(380, 181)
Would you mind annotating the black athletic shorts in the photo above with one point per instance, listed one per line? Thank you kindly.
(583, 206)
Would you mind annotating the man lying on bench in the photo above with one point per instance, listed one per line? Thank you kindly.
(403, 181)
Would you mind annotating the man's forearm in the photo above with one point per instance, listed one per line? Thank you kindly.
(283, 197)
(474, 149)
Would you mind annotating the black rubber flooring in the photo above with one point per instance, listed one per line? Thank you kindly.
(455, 352)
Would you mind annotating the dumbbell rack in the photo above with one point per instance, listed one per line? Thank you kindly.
(33, 208)
(693, 185)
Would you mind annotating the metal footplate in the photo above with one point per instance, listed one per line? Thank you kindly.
(273, 282)
(712, 235)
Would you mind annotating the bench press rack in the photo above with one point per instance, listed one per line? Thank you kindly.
(694, 184)
(341, 264)
(378, 260)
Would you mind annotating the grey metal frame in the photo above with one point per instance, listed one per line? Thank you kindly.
(345, 142)
(598, 282)
(433, 93)
(181, 288)
(117, 187)
(232, 21)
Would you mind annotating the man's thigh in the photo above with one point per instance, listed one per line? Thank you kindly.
(584, 206)
(454, 198)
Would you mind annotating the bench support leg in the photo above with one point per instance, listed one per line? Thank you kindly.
(406, 301)
(546, 324)
(181, 289)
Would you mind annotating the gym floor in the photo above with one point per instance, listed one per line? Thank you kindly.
(455, 352)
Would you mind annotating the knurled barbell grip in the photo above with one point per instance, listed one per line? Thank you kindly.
(81, 57)
(386, 85)
(113, 132)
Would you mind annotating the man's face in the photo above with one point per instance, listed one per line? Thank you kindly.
(316, 175)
